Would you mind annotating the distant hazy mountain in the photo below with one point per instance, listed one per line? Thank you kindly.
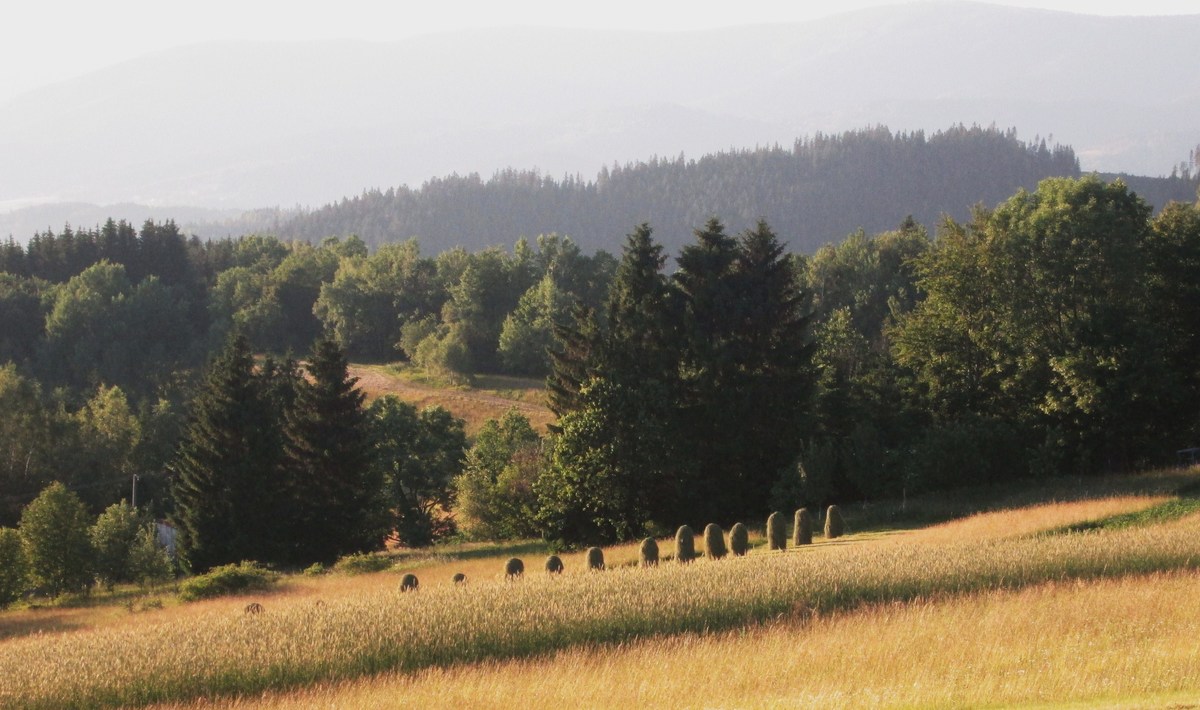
(813, 192)
(252, 124)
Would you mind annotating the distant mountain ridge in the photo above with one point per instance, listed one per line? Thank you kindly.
(243, 124)
(817, 192)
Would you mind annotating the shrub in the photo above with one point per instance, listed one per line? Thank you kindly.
(362, 563)
(595, 558)
(648, 552)
(113, 537)
(835, 526)
(409, 583)
(685, 544)
(149, 562)
(13, 570)
(514, 568)
(554, 565)
(802, 534)
(228, 579)
(460, 578)
(714, 541)
(739, 539)
(316, 569)
(776, 532)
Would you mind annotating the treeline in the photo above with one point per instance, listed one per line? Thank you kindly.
(105, 330)
(1053, 333)
(816, 191)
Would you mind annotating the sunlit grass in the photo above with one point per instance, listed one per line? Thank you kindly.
(297, 642)
(1126, 642)
(488, 397)
(1017, 522)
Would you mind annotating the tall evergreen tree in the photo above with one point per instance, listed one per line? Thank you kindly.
(772, 355)
(743, 364)
(336, 490)
(572, 361)
(706, 290)
(613, 466)
(228, 480)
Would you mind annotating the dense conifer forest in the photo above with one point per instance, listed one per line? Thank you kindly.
(814, 192)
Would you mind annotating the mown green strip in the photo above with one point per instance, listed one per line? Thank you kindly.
(1154, 515)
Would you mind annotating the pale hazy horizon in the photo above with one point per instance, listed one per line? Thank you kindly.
(61, 39)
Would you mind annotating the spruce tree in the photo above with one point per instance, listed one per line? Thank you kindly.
(707, 291)
(774, 376)
(227, 476)
(744, 364)
(573, 360)
(335, 491)
(613, 466)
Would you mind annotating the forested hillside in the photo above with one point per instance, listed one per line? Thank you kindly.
(815, 192)
(1053, 333)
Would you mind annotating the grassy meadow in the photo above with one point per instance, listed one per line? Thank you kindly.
(1038, 603)
(484, 397)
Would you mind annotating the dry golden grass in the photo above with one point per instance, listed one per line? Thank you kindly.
(490, 399)
(297, 643)
(1129, 642)
(1018, 522)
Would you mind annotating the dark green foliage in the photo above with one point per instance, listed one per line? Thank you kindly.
(14, 571)
(613, 465)
(1074, 358)
(595, 558)
(31, 434)
(97, 331)
(58, 549)
(739, 539)
(409, 583)
(714, 542)
(595, 485)
(514, 568)
(776, 532)
(685, 544)
(417, 455)
(24, 303)
(332, 483)
(226, 580)
(746, 377)
(648, 552)
(572, 360)
(232, 499)
(835, 525)
(371, 297)
(554, 564)
(802, 530)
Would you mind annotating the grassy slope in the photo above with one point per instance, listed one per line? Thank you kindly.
(365, 627)
(1127, 642)
(487, 397)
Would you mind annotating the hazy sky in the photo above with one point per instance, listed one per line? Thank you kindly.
(51, 40)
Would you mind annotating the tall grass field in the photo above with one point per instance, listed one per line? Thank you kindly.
(856, 612)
